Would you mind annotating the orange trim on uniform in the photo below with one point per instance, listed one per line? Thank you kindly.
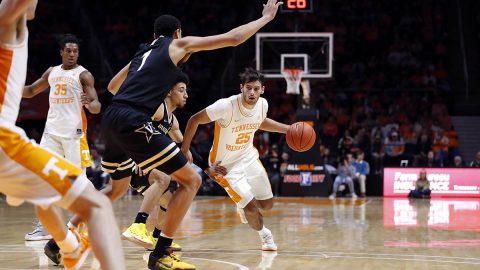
(84, 121)
(48, 166)
(224, 183)
(216, 139)
(265, 171)
(85, 159)
(6, 57)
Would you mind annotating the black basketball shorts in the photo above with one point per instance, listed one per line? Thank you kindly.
(130, 137)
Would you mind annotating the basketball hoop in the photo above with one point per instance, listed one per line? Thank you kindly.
(293, 76)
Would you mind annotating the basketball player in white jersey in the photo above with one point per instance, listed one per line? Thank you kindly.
(30, 173)
(237, 118)
(71, 88)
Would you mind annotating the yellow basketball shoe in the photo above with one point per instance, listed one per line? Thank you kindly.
(174, 246)
(74, 260)
(168, 262)
(137, 233)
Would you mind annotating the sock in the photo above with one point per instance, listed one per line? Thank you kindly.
(69, 244)
(163, 243)
(156, 233)
(263, 231)
(141, 218)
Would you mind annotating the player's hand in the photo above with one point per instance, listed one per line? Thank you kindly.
(138, 171)
(270, 9)
(85, 99)
(188, 155)
(215, 169)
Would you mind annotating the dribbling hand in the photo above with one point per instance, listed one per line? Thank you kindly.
(270, 9)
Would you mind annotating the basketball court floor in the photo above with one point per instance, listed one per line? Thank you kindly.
(311, 233)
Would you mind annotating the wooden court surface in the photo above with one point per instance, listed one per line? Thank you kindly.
(311, 233)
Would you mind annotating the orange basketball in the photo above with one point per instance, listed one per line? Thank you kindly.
(300, 137)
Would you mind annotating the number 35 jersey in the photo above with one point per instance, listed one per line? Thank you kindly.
(235, 127)
(66, 117)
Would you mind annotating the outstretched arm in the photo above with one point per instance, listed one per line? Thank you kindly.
(11, 10)
(89, 96)
(200, 117)
(38, 86)
(118, 79)
(273, 126)
(187, 45)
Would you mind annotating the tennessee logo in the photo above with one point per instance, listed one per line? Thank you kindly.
(149, 130)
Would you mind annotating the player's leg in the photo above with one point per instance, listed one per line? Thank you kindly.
(161, 212)
(30, 173)
(259, 183)
(54, 144)
(189, 183)
(137, 232)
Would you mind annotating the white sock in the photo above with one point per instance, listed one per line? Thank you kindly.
(264, 231)
(69, 244)
(163, 235)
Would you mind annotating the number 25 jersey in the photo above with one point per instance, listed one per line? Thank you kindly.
(235, 127)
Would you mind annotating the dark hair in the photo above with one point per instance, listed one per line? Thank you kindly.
(182, 78)
(251, 75)
(166, 25)
(68, 38)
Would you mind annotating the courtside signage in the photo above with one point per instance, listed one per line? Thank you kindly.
(444, 182)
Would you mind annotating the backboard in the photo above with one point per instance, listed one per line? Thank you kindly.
(311, 52)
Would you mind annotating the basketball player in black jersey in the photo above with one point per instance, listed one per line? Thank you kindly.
(130, 135)
(156, 186)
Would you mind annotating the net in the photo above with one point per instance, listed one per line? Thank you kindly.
(293, 76)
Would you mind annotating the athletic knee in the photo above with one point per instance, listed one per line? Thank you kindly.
(117, 192)
(251, 208)
(160, 178)
(95, 203)
(266, 205)
(194, 182)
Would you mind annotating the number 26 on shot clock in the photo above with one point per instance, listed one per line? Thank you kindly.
(297, 5)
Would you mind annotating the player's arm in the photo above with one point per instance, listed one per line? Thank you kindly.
(175, 133)
(89, 96)
(10, 10)
(197, 119)
(118, 79)
(187, 45)
(271, 125)
(38, 86)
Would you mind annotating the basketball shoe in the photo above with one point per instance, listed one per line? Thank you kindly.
(242, 216)
(39, 233)
(267, 241)
(137, 233)
(52, 251)
(169, 261)
(75, 259)
(174, 246)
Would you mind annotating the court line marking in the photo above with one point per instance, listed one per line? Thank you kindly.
(239, 266)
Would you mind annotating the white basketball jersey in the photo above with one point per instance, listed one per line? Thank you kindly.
(235, 127)
(66, 117)
(13, 72)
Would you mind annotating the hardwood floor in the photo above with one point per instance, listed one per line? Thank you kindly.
(311, 233)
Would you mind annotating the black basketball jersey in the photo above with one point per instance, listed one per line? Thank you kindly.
(150, 76)
(164, 124)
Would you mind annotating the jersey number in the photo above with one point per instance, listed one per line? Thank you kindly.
(243, 138)
(60, 89)
(144, 59)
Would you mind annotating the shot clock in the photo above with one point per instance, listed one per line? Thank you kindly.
(297, 6)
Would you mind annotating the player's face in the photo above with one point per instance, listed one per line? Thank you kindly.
(179, 95)
(70, 54)
(251, 92)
